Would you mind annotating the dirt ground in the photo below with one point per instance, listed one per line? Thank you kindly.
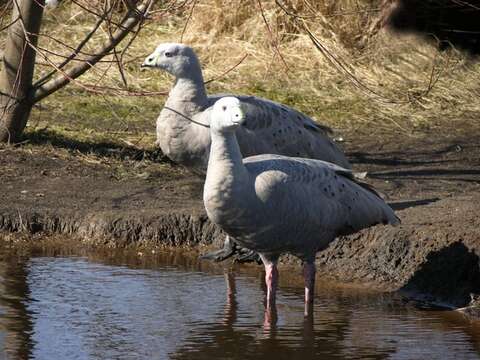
(125, 197)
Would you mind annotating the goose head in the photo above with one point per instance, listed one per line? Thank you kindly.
(177, 59)
(227, 115)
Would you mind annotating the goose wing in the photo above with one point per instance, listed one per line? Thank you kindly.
(273, 128)
(324, 189)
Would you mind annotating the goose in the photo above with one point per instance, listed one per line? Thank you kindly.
(268, 128)
(275, 204)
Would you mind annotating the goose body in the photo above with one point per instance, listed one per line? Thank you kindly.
(275, 204)
(269, 127)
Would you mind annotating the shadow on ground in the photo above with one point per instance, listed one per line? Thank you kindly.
(450, 275)
(103, 148)
(406, 157)
(402, 205)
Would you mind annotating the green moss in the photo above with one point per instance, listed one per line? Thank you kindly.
(82, 110)
(338, 112)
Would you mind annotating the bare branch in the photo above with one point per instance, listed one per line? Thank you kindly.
(130, 21)
(341, 66)
(188, 20)
(79, 47)
(273, 40)
(226, 72)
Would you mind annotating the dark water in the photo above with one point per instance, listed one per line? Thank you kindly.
(75, 308)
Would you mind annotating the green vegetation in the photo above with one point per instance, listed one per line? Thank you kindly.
(395, 84)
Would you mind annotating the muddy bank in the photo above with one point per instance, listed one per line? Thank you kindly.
(432, 183)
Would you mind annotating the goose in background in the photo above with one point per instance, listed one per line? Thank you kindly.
(268, 127)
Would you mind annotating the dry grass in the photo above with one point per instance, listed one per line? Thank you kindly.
(384, 85)
(395, 74)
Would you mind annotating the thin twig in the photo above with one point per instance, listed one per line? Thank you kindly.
(188, 20)
(226, 72)
(129, 22)
(273, 41)
(76, 51)
(339, 64)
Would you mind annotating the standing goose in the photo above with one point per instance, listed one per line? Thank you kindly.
(269, 127)
(275, 204)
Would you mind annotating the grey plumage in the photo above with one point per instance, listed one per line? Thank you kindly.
(270, 127)
(275, 204)
(299, 204)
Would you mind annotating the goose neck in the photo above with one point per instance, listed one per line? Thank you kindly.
(225, 161)
(189, 91)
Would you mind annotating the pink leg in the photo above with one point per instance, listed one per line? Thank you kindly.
(230, 310)
(271, 280)
(270, 319)
(309, 275)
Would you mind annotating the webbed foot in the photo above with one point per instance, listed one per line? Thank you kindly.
(227, 251)
(245, 255)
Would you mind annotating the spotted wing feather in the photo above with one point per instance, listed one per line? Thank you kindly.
(273, 128)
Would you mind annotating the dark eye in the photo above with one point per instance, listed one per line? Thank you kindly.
(224, 108)
(168, 54)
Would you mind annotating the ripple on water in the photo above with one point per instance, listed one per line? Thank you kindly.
(73, 308)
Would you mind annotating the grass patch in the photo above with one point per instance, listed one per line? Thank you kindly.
(282, 65)
(124, 161)
(84, 111)
(336, 113)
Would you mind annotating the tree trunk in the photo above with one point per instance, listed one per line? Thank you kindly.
(16, 99)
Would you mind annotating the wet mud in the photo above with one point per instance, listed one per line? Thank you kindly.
(432, 183)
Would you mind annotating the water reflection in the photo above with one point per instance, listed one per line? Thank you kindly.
(73, 308)
(15, 319)
(379, 327)
(292, 335)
